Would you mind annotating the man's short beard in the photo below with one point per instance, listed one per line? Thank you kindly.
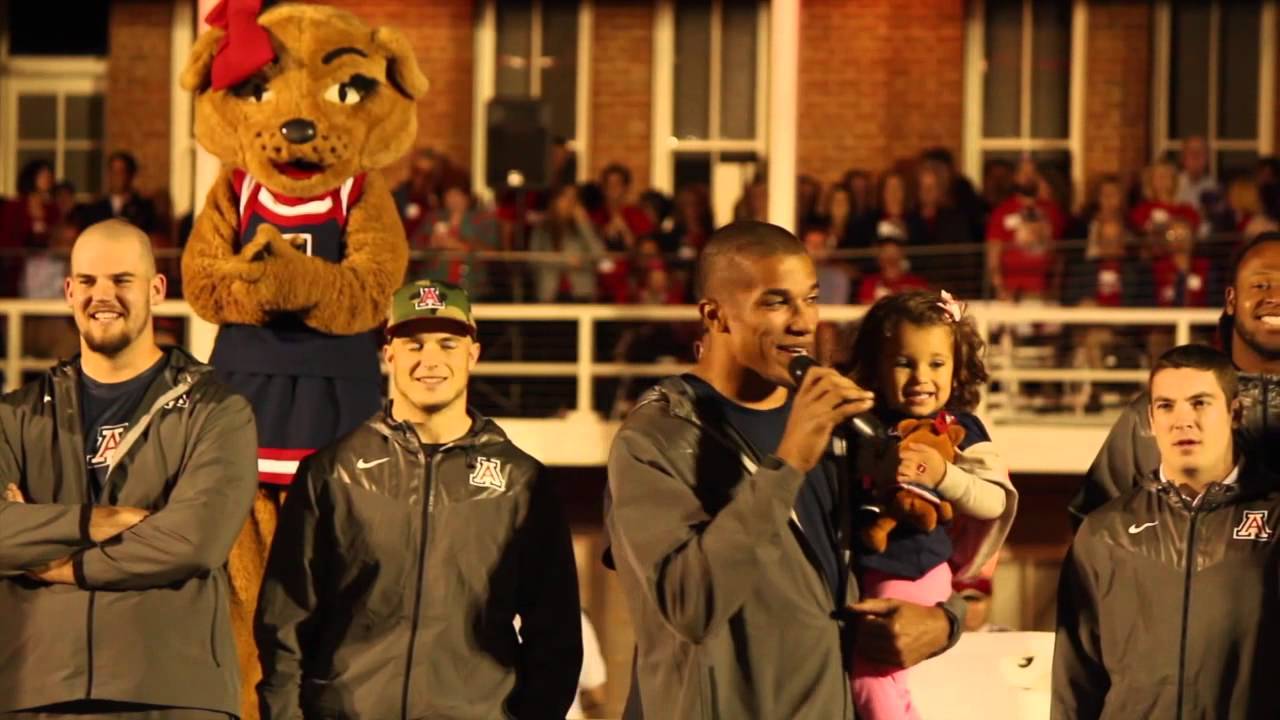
(1257, 347)
(110, 346)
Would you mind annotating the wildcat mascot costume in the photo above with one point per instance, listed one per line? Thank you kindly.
(299, 245)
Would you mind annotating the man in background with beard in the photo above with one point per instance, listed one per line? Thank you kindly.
(1250, 334)
(127, 472)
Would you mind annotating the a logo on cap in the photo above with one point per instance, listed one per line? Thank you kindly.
(428, 299)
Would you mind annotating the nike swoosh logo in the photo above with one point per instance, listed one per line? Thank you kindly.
(363, 464)
(1135, 528)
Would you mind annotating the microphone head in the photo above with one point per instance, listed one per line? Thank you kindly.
(798, 366)
(869, 426)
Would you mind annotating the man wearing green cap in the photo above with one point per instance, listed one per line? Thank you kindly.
(407, 550)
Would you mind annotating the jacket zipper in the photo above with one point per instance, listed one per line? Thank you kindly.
(1186, 598)
(428, 500)
(88, 690)
(135, 432)
(125, 444)
(213, 626)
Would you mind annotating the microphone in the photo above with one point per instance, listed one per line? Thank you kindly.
(864, 424)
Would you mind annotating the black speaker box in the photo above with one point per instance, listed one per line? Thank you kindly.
(519, 139)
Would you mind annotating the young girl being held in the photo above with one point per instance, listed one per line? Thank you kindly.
(923, 359)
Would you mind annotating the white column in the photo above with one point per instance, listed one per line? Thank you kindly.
(181, 167)
(207, 165)
(784, 63)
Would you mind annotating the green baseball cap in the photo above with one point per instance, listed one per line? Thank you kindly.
(430, 300)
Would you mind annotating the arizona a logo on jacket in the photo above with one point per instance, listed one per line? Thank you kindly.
(489, 473)
(109, 437)
(1253, 526)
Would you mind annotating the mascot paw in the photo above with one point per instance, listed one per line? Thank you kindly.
(287, 250)
(248, 264)
(289, 283)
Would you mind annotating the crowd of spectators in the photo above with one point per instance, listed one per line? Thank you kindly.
(1159, 239)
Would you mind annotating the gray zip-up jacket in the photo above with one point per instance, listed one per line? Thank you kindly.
(1168, 608)
(149, 621)
(732, 618)
(395, 576)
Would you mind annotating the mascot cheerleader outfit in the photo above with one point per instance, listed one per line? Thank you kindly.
(299, 245)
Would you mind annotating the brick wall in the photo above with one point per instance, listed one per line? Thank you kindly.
(879, 80)
(621, 86)
(443, 41)
(139, 85)
(1117, 101)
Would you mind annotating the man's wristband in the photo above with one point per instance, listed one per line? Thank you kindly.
(955, 620)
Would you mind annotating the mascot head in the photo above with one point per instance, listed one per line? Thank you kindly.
(302, 97)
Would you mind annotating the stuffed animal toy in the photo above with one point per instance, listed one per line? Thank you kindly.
(918, 506)
(299, 245)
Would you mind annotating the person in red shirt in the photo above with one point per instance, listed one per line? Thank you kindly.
(1181, 279)
(1020, 236)
(27, 221)
(419, 196)
(1162, 206)
(29, 218)
(620, 224)
(892, 276)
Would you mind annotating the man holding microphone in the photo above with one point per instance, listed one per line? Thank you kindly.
(722, 511)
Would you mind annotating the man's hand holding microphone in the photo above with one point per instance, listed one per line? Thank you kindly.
(824, 399)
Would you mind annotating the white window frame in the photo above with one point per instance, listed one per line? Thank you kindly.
(1162, 47)
(975, 47)
(61, 76)
(665, 145)
(485, 84)
(182, 129)
(45, 77)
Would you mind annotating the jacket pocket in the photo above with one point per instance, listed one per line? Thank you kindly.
(380, 549)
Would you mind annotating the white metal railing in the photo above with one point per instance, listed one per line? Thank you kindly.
(987, 316)
(1030, 446)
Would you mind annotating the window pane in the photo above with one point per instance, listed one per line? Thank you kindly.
(1189, 69)
(42, 28)
(1238, 70)
(1050, 68)
(1236, 163)
(738, 70)
(1002, 79)
(37, 117)
(560, 63)
(84, 169)
(514, 43)
(693, 71)
(84, 117)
